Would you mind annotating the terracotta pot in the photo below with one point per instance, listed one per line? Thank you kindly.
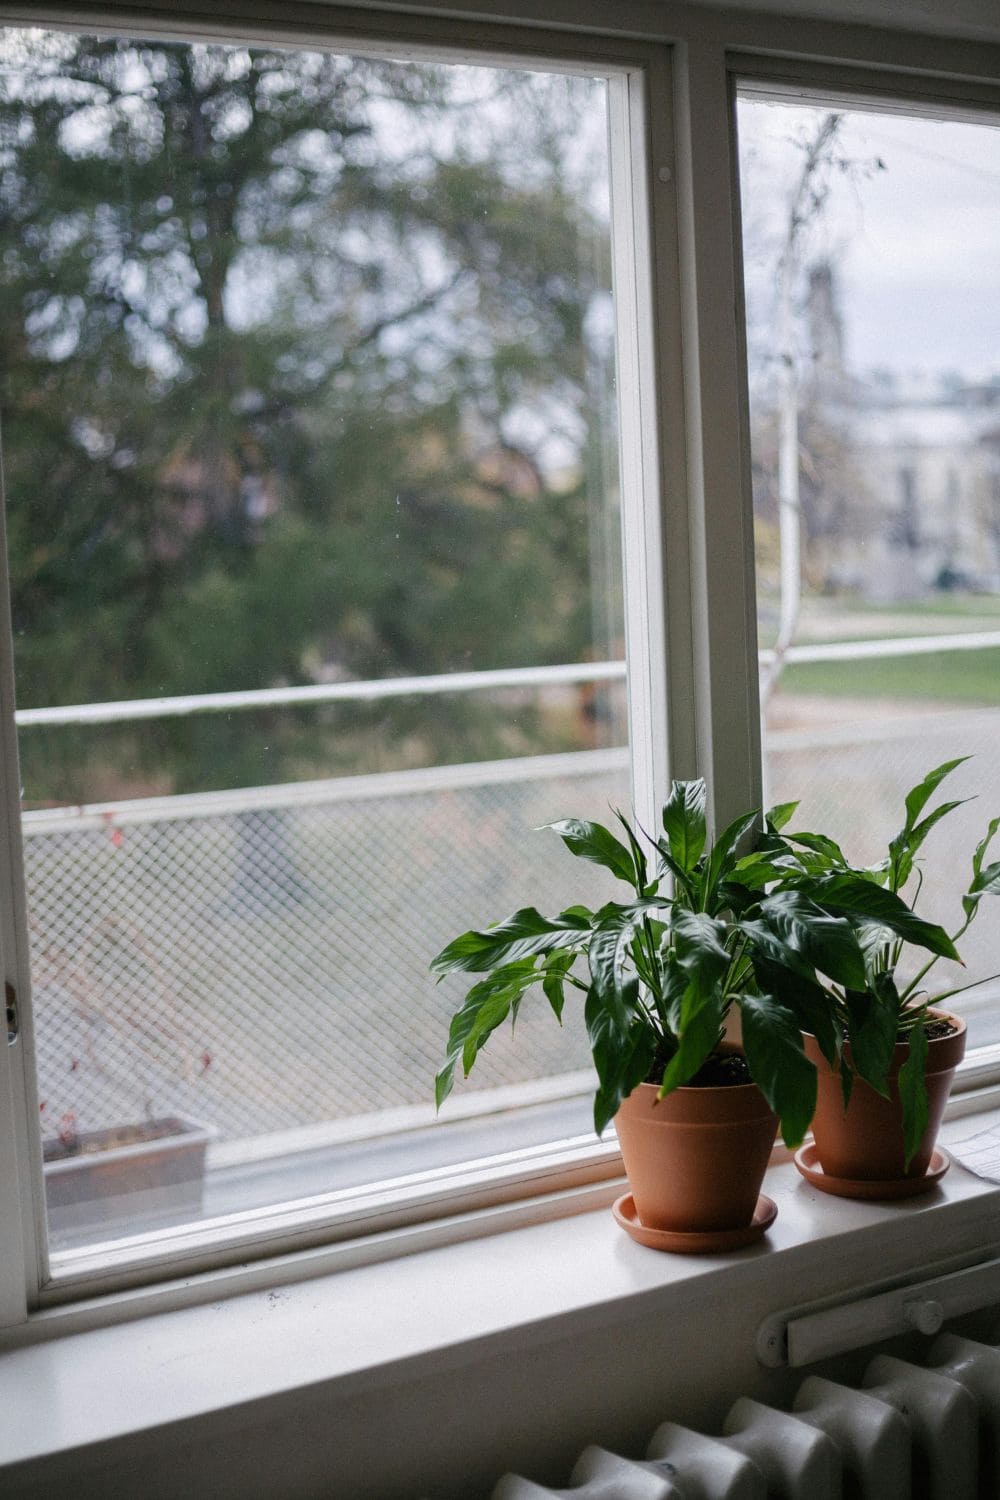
(696, 1159)
(866, 1143)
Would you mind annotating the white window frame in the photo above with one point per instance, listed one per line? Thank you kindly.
(686, 497)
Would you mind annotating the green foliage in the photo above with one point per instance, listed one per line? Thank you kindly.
(790, 933)
(913, 1091)
(867, 1010)
(264, 312)
(661, 970)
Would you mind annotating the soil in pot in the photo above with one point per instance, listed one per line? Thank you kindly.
(865, 1143)
(696, 1159)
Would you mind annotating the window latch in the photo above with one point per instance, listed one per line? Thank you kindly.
(13, 1021)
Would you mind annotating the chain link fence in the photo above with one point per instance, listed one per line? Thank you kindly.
(261, 962)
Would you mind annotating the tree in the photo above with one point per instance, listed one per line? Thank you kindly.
(286, 339)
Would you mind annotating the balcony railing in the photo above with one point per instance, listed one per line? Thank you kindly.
(258, 957)
(377, 689)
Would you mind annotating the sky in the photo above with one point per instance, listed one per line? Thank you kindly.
(915, 243)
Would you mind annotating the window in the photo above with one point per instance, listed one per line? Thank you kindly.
(372, 405)
(316, 594)
(875, 412)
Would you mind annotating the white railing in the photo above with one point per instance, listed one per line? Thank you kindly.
(567, 673)
(913, 645)
(322, 692)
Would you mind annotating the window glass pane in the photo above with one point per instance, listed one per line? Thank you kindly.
(873, 305)
(307, 396)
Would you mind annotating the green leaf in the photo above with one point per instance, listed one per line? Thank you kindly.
(555, 971)
(818, 843)
(851, 894)
(812, 1009)
(918, 797)
(735, 898)
(581, 915)
(722, 859)
(828, 943)
(693, 971)
(873, 1017)
(754, 871)
(905, 846)
(770, 953)
(699, 942)
(608, 955)
(552, 987)
(489, 1015)
(485, 1007)
(913, 1092)
(526, 932)
(622, 1056)
(987, 882)
(803, 996)
(846, 1082)
(697, 1037)
(873, 940)
(685, 881)
(983, 845)
(638, 854)
(684, 822)
(593, 841)
(984, 882)
(785, 1076)
(777, 817)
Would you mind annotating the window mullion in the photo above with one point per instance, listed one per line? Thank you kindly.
(725, 698)
(635, 291)
(656, 540)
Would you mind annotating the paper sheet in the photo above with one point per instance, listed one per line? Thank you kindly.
(979, 1151)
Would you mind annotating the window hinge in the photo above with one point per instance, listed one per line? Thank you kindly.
(13, 1022)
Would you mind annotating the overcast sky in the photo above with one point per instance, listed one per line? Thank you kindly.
(916, 243)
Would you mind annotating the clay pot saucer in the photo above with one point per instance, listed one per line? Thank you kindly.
(807, 1162)
(698, 1241)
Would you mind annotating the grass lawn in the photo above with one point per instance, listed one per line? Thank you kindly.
(942, 676)
(972, 606)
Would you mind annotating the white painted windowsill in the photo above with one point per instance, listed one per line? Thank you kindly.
(462, 1307)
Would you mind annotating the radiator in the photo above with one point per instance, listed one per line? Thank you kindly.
(911, 1432)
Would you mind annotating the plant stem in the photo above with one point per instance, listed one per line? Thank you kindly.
(961, 988)
(934, 958)
(737, 969)
(655, 1023)
(656, 987)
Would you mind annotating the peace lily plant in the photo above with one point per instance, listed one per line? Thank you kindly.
(697, 936)
(872, 1017)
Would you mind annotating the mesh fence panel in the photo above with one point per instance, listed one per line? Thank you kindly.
(267, 968)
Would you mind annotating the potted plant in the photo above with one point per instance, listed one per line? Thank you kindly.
(659, 973)
(886, 1050)
(102, 1179)
(150, 1162)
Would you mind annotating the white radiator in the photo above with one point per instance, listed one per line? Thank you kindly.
(910, 1433)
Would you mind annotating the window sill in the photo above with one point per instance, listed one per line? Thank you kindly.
(459, 1318)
